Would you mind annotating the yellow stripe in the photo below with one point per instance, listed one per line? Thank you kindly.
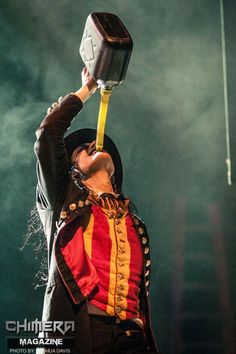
(88, 237)
(118, 240)
(112, 282)
(126, 268)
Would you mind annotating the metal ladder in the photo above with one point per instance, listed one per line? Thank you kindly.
(202, 318)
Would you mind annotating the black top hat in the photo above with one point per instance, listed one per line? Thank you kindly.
(82, 136)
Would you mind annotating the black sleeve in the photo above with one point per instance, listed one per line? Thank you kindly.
(52, 161)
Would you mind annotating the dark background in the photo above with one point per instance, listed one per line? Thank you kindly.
(167, 119)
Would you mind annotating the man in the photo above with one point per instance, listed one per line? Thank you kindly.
(98, 252)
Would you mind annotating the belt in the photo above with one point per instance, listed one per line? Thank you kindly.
(95, 312)
(110, 320)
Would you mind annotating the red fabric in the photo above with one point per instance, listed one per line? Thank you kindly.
(101, 258)
(101, 250)
(135, 266)
(79, 263)
(93, 275)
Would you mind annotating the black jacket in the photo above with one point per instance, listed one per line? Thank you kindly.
(56, 192)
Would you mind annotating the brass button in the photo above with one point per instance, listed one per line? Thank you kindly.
(72, 206)
(80, 203)
(118, 309)
(63, 215)
(120, 288)
(136, 221)
(119, 276)
(120, 264)
(121, 250)
(119, 298)
(146, 250)
(147, 273)
(140, 230)
(49, 110)
(148, 263)
(128, 333)
(144, 240)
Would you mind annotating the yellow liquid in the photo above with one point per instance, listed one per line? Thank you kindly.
(102, 116)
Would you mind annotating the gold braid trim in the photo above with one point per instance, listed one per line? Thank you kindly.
(114, 207)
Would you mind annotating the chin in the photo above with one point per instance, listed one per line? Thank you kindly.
(97, 161)
(101, 154)
(102, 160)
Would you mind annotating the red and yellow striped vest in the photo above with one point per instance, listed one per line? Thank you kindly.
(114, 249)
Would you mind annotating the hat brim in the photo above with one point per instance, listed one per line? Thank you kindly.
(82, 136)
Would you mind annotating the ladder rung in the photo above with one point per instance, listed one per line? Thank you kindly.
(197, 315)
(199, 285)
(198, 256)
(197, 227)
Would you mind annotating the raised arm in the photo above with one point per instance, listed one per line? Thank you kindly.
(52, 161)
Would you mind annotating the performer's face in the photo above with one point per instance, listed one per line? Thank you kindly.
(90, 161)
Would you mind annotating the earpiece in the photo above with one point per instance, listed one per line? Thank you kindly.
(77, 174)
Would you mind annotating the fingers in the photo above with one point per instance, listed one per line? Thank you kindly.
(85, 76)
(85, 71)
(50, 109)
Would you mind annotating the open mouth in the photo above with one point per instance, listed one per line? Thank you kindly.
(92, 148)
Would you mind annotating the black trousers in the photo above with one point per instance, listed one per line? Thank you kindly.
(110, 337)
